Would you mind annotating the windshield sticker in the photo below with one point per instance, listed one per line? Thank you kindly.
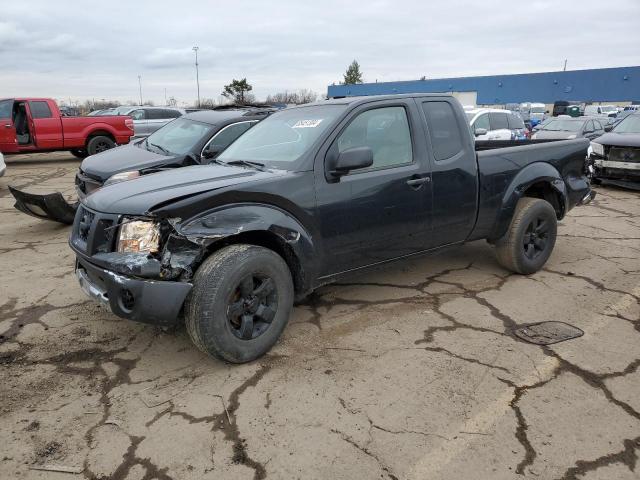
(307, 123)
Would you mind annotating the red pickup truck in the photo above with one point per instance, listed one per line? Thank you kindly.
(36, 125)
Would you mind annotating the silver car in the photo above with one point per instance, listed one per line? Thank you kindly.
(147, 120)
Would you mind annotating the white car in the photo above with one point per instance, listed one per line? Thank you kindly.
(3, 166)
(600, 110)
(495, 124)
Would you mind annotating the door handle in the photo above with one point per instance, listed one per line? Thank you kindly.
(418, 182)
(7, 125)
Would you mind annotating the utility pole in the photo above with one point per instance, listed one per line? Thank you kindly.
(565, 65)
(165, 97)
(140, 87)
(195, 49)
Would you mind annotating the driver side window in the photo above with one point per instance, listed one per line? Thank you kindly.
(482, 122)
(385, 131)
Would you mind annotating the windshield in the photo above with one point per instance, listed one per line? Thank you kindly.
(630, 124)
(563, 126)
(608, 108)
(177, 137)
(284, 137)
(537, 110)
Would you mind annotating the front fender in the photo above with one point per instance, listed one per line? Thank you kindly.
(534, 173)
(246, 222)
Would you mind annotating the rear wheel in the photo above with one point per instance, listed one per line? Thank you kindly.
(79, 153)
(528, 243)
(99, 144)
(240, 303)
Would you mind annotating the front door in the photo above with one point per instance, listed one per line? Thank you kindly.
(8, 142)
(381, 212)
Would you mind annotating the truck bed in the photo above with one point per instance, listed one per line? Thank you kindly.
(500, 162)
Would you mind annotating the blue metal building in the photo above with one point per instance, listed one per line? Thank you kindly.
(620, 84)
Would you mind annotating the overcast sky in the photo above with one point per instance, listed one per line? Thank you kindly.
(85, 49)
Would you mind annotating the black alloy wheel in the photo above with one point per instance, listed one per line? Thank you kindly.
(536, 238)
(252, 306)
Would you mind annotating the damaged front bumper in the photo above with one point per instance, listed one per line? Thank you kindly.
(155, 302)
(52, 206)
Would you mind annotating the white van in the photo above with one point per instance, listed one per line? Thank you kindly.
(600, 110)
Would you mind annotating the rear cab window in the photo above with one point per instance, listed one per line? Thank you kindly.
(498, 121)
(40, 109)
(444, 131)
(515, 122)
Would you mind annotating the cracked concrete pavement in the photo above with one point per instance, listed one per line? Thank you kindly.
(405, 372)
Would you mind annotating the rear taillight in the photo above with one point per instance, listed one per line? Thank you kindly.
(128, 123)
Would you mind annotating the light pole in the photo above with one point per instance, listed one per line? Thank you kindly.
(140, 87)
(195, 49)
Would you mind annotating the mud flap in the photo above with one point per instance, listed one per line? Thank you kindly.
(52, 206)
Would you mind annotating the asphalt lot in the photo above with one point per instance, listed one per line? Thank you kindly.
(406, 372)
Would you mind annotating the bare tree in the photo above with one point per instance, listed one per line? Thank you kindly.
(296, 98)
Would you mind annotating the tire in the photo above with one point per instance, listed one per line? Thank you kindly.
(529, 241)
(216, 315)
(79, 153)
(99, 144)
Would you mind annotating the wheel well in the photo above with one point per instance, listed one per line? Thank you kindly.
(545, 191)
(272, 242)
(98, 133)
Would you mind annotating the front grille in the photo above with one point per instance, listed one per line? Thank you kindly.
(93, 232)
(622, 154)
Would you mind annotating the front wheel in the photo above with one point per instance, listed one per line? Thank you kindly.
(240, 303)
(529, 241)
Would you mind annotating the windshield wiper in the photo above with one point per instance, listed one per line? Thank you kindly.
(162, 149)
(256, 165)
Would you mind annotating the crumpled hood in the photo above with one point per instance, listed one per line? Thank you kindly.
(120, 159)
(619, 139)
(139, 196)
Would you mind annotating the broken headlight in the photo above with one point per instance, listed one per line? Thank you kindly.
(597, 148)
(139, 236)
(122, 177)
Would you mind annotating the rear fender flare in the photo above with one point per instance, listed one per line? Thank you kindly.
(538, 172)
(99, 129)
(254, 222)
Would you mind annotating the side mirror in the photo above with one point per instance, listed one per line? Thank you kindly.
(608, 128)
(546, 111)
(352, 159)
(480, 131)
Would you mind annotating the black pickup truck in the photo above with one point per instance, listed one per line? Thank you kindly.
(306, 196)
